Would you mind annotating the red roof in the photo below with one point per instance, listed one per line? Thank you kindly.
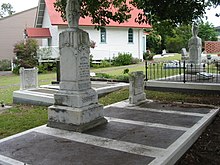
(56, 19)
(38, 33)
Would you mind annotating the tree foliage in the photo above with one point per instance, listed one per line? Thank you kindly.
(173, 12)
(6, 9)
(26, 53)
(207, 32)
(99, 10)
(154, 42)
(163, 14)
(181, 35)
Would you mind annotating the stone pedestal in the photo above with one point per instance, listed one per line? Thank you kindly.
(192, 68)
(76, 104)
(136, 88)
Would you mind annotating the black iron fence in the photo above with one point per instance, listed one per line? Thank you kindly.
(182, 71)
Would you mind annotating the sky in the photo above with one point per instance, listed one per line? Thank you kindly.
(21, 5)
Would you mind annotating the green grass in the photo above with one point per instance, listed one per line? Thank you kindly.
(24, 117)
(21, 118)
(114, 97)
(170, 58)
(118, 70)
(15, 79)
(11, 83)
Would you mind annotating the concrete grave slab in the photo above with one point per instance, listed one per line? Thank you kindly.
(45, 94)
(150, 136)
(133, 135)
(38, 148)
(153, 116)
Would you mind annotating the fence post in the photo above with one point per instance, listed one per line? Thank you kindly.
(184, 71)
(146, 78)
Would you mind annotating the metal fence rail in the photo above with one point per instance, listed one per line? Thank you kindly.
(182, 71)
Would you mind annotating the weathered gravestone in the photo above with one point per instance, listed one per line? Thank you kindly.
(136, 88)
(184, 54)
(76, 105)
(28, 78)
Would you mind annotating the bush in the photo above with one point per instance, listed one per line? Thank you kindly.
(26, 54)
(105, 63)
(5, 65)
(147, 56)
(122, 59)
(47, 66)
(103, 75)
(135, 60)
(124, 78)
(174, 45)
(126, 71)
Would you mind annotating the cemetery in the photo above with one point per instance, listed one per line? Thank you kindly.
(136, 130)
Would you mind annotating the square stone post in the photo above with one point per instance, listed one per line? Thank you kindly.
(136, 88)
(76, 105)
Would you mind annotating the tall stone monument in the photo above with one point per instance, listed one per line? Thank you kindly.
(195, 51)
(76, 105)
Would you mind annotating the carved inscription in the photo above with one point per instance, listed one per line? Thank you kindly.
(84, 71)
(138, 87)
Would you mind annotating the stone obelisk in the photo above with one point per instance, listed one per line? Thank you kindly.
(76, 105)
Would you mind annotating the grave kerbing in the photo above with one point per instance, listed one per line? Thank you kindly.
(76, 105)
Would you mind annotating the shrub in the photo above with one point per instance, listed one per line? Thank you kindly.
(47, 66)
(147, 56)
(135, 60)
(103, 75)
(26, 54)
(16, 70)
(105, 63)
(5, 65)
(126, 71)
(124, 78)
(122, 59)
(174, 45)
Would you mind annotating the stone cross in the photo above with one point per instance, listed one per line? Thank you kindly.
(136, 88)
(73, 13)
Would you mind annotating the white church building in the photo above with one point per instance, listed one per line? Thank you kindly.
(127, 37)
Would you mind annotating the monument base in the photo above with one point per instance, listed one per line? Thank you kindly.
(194, 68)
(75, 119)
(137, 98)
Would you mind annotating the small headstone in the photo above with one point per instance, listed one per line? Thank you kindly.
(184, 52)
(164, 52)
(136, 88)
(28, 78)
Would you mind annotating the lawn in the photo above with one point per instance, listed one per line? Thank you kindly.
(10, 83)
(24, 117)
